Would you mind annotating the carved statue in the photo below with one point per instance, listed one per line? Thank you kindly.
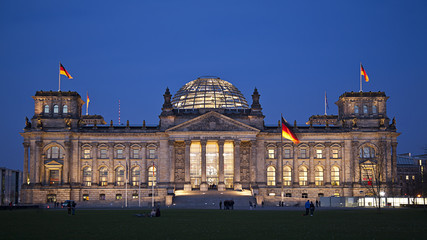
(354, 122)
(393, 122)
(27, 123)
(67, 122)
(39, 122)
(382, 122)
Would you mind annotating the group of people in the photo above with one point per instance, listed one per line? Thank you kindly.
(228, 204)
(71, 206)
(309, 208)
(155, 212)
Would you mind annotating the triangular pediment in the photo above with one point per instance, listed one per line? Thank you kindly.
(212, 121)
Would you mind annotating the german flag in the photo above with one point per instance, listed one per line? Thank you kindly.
(64, 72)
(363, 73)
(287, 133)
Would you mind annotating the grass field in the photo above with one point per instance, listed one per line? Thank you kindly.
(215, 224)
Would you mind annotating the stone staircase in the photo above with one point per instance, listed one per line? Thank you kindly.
(210, 199)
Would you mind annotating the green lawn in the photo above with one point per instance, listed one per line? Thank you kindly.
(215, 224)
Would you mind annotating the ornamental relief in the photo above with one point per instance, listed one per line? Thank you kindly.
(244, 162)
(179, 162)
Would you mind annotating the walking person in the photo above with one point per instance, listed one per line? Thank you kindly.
(311, 209)
(307, 207)
(317, 203)
(220, 205)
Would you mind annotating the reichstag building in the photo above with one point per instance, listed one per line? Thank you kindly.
(209, 138)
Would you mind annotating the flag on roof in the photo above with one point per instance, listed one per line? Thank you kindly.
(287, 132)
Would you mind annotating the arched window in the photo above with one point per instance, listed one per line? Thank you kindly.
(303, 176)
(54, 153)
(365, 109)
(152, 176)
(55, 109)
(318, 176)
(287, 176)
(46, 108)
(271, 176)
(374, 109)
(135, 176)
(367, 152)
(103, 176)
(356, 109)
(87, 176)
(65, 109)
(120, 176)
(335, 176)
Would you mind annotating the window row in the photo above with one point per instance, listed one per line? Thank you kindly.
(119, 176)
(365, 109)
(55, 109)
(303, 176)
(134, 153)
(305, 195)
(304, 152)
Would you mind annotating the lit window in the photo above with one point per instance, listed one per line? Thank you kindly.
(51, 198)
(120, 176)
(335, 176)
(335, 153)
(271, 153)
(287, 153)
(318, 176)
(319, 153)
(87, 176)
(103, 153)
(152, 175)
(407, 177)
(46, 108)
(54, 177)
(356, 109)
(135, 176)
(336, 194)
(85, 197)
(413, 177)
(303, 176)
(271, 176)
(287, 176)
(55, 109)
(118, 196)
(86, 153)
(65, 109)
(135, 196)
(365, 109)
(103, 176)
(119, 153)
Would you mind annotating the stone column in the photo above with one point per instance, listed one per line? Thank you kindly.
(66, 167)
(33, 165)
(111, 164)
(327, 171)
(350, 166)
(39, 163)
(394, 161)
(221, 184)
(311, 167)
(144, 169)
(279, 169)
(25, 173)
(237, 184)
(295, 172)
(126, 153)
(187, 184)
(74, 164)
(172, 161)
(253, 162)
(203, 185)
(95, 172)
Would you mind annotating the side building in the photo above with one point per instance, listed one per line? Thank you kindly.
(10, 186)
(208, 138)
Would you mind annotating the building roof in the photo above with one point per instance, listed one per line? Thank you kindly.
(56, 93)
(209, 93)
(363, 94)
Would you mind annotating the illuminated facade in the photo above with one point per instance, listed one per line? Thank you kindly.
(208, 139)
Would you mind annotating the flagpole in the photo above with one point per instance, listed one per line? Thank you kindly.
(360, 76)
(87, 103)
(325, 104)
(59, 77)
(281, 149)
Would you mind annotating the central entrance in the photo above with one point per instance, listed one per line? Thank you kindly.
(212, 164)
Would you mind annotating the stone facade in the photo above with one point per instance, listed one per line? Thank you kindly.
(68, 157)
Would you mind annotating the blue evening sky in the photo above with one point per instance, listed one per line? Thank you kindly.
(292, 51)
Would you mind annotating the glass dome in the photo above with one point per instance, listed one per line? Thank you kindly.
(209, 92)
